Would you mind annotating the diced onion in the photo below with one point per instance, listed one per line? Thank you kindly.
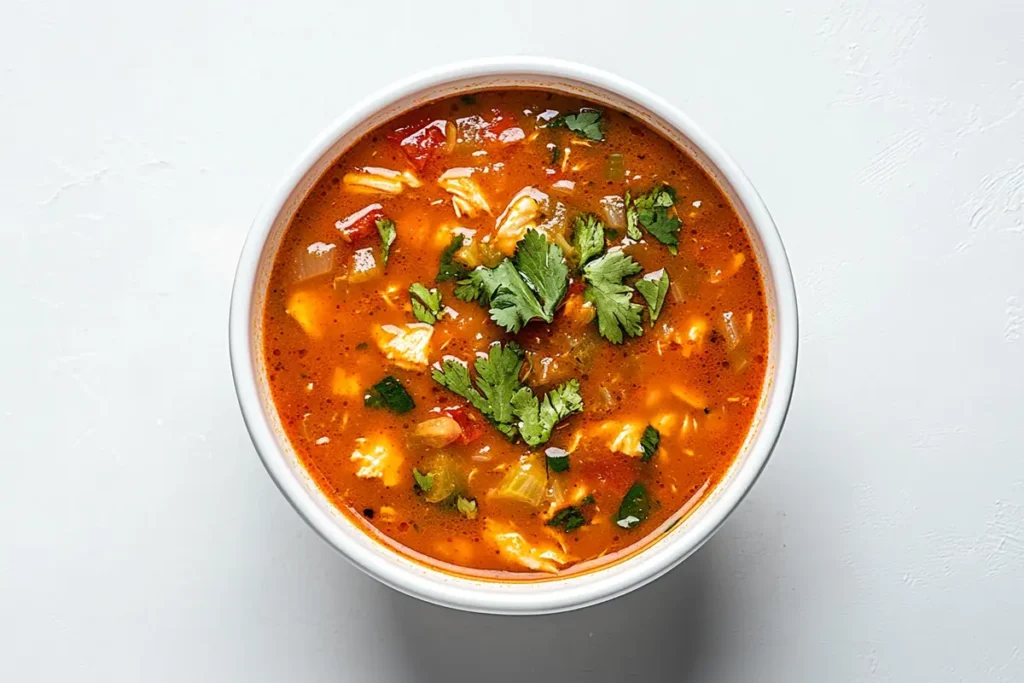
(525, 482)
(315, 260)
(613, 209)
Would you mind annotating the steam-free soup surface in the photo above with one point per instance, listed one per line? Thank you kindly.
(515, 333)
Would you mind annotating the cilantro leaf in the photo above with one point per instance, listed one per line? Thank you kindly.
(542, 265)
(425, 482)
(571, 518)
(632, 229)
(634, 508)
(653, 287)
(616, 312)
(651, 211)
(557, 459)
(509, 405)
(537, 418)
(388, 232)
(588, 238)
(450, 269)
(466, 506)
(586, 124)
(526, 287)
(389, 393)
(649, 443)
(426, 303)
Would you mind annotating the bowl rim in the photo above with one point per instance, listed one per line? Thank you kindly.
(464, 592)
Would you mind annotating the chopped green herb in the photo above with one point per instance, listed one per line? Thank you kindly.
(424, 482)
(467, 506)
(468, 99)
(634, 507)
(616, 312)
(588, 238)
(450, 269)
(632, 229)
(651, 212)
(388, 232)
(557, 459)
(586, 124)
(571, 518)
(649, 443)
(526, 287)
(510, 406)
(556, 152)
(426, 303)
(653, 287)
(362, 346)
(389, 393)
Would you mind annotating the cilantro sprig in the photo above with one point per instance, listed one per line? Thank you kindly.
(634, 508)
(511, 407)
(526, 287)
(586, 123)
(388, 232)
(449, 268)
(649, 442)
(617, 315)
(650, 211)
(571, 518)
(426, 303)
(587, 238)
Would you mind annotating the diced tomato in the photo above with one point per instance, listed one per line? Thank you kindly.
(613, 473)
(362, 223)
(472, 426)
(421, 141)
(498, 122)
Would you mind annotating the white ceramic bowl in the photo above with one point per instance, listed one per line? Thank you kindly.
(669, 545)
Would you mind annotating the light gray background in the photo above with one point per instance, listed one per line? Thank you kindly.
(141, 538)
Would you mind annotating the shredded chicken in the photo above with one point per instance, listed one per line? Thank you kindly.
(521, 214)
(383, 180)
(407, 345)
(512, 545)
(378, 458)
(467, 197)
(622, 437)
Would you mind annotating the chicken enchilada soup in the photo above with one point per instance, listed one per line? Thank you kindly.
(513, 333)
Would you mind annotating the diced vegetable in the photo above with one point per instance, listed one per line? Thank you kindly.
(365, 265)
(580, 311)
(360, 224)
(471, 426)
(424, 482)
(466, 507)
(615, 167)
(511, 544)
(524, 482)
(379, 180)
(389, 393)
(736, 350)
(729, 331)
(558, 459)
(378, 458)
(613, 209)
(407, 345)
(479, 252)
(446, 478)
(437, 432)
(563, 186)
(314, 260)
(634, 508)
(467, 197)
(426, 303)
(653, 287)
(310, 310)
(649, 442)
(421, 142)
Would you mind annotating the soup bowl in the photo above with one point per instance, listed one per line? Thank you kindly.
(664, 547)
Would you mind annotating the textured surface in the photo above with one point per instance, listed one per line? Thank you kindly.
(142, 539)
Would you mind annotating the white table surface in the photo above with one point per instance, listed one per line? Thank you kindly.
(141, 538)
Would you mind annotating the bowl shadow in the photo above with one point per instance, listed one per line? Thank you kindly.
(660, 632)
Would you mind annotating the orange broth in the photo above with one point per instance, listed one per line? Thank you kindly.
(337, 321)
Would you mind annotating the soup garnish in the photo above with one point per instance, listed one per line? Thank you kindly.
(512, 334)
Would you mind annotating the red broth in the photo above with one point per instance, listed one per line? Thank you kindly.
(575, 444)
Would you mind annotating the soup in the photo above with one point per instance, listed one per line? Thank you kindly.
(514, 334)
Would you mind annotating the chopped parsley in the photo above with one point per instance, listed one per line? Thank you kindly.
(526, 287)
(651, 212)
(466, 506)
(557, 459)
(388, 232)
(617, 315)
(450, 269)
(649, 443)
(426, 303)
(653, 287)
(389, 393)
(586, 123)
(588, 238)
(510, 406)
(634, 508)
(424, 482)
(571, 518)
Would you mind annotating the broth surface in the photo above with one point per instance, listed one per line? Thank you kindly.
(338, 321)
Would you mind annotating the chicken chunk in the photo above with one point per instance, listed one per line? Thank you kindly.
(511, 544)
(373, 179)
(408, 346)
(310, 311)
(622, 437)
(467, 197)
(378, 458)
(521, 214)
